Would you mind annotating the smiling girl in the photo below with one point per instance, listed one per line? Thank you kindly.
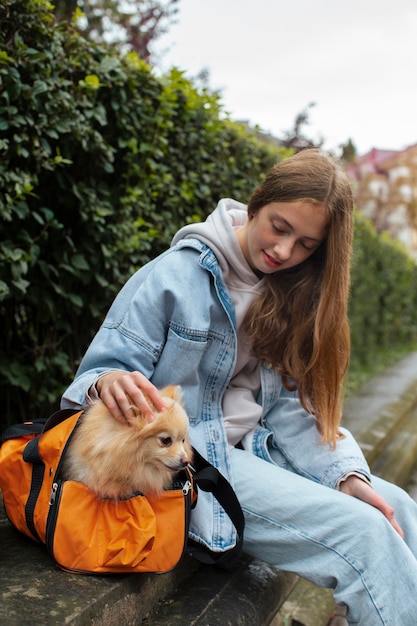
(248, 313)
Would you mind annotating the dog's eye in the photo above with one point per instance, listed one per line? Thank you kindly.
(166, 441)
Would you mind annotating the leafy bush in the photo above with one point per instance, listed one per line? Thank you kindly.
(100, 162)
(383, 302)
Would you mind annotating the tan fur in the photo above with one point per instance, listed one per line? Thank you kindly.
(116, 460)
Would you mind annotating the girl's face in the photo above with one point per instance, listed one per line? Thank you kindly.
(282, 235)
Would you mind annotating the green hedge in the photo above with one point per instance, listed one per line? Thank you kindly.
(100, 163)
(383, 302)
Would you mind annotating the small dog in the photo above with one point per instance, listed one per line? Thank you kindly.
(117, 460)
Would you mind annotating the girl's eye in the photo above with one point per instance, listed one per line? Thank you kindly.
(307, 246)
(278, 229)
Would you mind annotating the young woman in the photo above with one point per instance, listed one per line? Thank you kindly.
(247, 312)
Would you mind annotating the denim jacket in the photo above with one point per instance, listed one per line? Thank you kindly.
(174, 322)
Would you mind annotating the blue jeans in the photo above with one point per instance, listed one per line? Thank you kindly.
(332, 539)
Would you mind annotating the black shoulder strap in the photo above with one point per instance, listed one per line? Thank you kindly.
(31, 455)
(36, 426)
(208, 478)
(20, 430)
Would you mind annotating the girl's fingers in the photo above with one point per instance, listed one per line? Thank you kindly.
(128, 393)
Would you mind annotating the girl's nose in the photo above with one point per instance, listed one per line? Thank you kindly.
(284, 249)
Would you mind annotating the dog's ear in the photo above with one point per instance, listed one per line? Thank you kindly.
(173, 392)
(139, 417)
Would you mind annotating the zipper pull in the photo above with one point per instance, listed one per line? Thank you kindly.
(186, 487)
(53, 494)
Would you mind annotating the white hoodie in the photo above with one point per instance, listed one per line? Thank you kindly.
(240, 409)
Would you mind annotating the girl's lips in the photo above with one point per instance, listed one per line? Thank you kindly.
(270, 261)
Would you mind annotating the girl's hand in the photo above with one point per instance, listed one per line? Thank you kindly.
(355, 486)
(120, 390)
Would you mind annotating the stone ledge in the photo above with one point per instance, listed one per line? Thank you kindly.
(35, 590)
(247, 596)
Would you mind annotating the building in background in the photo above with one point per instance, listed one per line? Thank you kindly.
(385, 189)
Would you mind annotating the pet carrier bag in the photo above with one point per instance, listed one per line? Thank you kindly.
(85, 534)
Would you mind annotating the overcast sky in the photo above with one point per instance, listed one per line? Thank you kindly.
(355, 59)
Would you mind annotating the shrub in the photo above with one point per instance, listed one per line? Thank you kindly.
(100, 162)
(383, 302)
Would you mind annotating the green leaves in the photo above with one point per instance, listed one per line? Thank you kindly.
(383, 302)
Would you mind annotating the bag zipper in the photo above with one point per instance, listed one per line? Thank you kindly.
(55, 497)
(187, 490)
(52, 496)
(54, 500)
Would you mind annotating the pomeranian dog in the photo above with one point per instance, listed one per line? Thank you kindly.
(118, 460)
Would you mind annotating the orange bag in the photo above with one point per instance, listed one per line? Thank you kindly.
(85, 534)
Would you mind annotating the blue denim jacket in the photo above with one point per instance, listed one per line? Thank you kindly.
(174, 322)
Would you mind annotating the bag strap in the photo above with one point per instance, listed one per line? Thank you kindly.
(20, 430)
(36, 426)
(208, 478)
(31, 455)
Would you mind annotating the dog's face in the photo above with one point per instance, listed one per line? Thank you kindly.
(164, 440)
(116, 460)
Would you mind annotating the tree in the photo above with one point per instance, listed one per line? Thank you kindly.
(295, 138)
(349, 151)
(131, 24)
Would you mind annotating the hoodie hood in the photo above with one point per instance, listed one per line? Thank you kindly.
(218, 232)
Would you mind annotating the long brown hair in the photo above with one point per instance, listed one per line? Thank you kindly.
(299, 325)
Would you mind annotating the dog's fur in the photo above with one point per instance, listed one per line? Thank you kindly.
(117, 460)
